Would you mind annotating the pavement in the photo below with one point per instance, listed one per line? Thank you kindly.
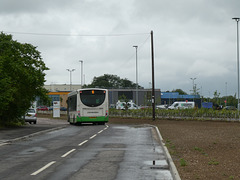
(43, 125)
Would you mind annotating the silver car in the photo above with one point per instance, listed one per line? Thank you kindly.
(31, 116)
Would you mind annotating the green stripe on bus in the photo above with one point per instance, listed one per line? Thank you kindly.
(92, 119)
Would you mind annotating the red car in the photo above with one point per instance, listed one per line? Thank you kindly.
(42, 108)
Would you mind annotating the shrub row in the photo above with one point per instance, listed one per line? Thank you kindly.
(175, 114)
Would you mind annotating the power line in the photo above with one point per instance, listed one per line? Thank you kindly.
(140, 46)
(133, 54)
(76, 35)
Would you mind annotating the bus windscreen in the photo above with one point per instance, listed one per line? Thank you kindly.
(92, 98)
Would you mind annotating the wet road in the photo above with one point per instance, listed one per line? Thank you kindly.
(86, 152)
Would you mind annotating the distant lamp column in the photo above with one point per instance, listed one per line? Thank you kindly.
(81, 63)
(70, 70)
(136, 76)
(237, 20)
(193, 79)
(226, 94)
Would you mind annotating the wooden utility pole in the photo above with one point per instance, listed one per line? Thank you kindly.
(153, 88)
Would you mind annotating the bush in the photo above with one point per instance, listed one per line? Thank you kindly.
(174, 114)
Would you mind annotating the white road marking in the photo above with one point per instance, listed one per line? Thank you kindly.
(83, 142)
(100, 131)
(93, 136)
(2, 144)
(43, 168)
(68, 153)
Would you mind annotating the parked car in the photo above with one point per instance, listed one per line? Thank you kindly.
(50, 108)
(42, 108)
(63, 109)
(230, 108)
(31, 116)
(122, 105)
(164, 106)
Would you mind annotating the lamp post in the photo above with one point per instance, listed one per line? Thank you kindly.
(237, 20)
(81, 63)
(193, 87)
(136, 77)
(226, 95)
(193, 79)
(70, 70)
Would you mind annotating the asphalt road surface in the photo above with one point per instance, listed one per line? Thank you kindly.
(86, 152)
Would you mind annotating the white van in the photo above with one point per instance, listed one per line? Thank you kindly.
(122, 105)
(182, 105)
(132, 105)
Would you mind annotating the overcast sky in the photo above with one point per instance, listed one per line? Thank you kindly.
(192, 39)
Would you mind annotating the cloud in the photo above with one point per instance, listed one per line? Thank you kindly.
(191, 39)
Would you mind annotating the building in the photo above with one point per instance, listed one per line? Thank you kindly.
(60, 93)
(62, 87)
(144, 96)
(170, 97)
(59, 96)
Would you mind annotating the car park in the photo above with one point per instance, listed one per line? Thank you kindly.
(63, 109)
(123, 105)
(31, 116)
(230, 108)
(164, 106)
(42, 108)
(50, 108)
(182, 105)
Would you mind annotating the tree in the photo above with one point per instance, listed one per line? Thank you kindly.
(216, 97)
(111, 81)
(123, 98)
(180, 91)
(21, 80)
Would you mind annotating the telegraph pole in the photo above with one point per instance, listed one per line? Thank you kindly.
(237, 20)
(153, 88)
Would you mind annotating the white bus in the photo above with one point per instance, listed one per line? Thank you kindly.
(88, 106)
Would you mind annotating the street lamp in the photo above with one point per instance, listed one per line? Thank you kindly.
(226, 94)
(193, 86)
(237, 20)
(81, 63)
(136, 77)
(70, 70)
